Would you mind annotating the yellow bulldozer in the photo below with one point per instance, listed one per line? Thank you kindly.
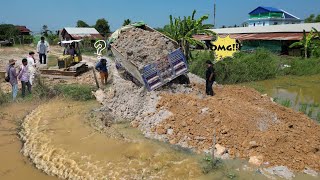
(70, 62)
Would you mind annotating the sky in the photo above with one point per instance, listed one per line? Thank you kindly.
(57, 14)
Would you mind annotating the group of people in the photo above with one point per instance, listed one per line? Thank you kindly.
(26, 72)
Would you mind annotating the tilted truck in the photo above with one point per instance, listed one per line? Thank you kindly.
(156, 73)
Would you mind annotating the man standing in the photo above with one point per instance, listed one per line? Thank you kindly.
(24, 77)
(43, 49)
(210, 78)
(11, 72)
(31, 66)
(102, 68)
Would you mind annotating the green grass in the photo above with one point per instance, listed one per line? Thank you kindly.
(247, 67)
(286, 103)
(75, 91)
(318, 117)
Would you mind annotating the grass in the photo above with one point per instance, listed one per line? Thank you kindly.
(4, 97)
(247, 67)
(286, 103)
(76, 92)
(208, 164)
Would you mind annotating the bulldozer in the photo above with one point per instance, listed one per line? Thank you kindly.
(70, 62)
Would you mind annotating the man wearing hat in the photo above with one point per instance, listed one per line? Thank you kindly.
(210, 78)
(12, 74)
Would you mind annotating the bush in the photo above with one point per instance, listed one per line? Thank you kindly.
(245, 67)
(259, 65)
(4, 98)
(198, 63)
(75, 91)
(302, 67)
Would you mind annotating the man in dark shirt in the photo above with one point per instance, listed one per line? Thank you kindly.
(210, 78)
(102, 68)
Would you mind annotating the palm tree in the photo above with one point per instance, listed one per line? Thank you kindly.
(126, 22)
(182, 30)
(305, 42)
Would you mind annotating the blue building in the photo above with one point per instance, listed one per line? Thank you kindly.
(267, 16)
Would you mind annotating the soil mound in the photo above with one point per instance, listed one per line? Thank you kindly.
(143, 47)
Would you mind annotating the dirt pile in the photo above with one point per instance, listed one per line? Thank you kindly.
(143, 47)
(245, 122)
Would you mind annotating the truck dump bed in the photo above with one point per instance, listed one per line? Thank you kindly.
(159, 71)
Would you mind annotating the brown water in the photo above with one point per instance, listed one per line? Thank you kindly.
(61, 141)
(300, 90)
(13, 165)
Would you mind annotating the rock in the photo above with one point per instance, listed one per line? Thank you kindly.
(256, 160)
(100, 95)
(220, 150)
(281, 171)
(253, 144)
(170, 131)
(225, 156)
(134, 124)
(204, 110)
(310, 172)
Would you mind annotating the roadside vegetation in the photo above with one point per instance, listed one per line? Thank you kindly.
(259, 65)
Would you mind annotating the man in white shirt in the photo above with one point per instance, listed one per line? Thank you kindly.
(43, 49)
(31, 66)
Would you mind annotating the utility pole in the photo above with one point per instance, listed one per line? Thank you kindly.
(214, 14)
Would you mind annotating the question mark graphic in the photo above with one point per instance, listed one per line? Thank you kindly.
(100, 45)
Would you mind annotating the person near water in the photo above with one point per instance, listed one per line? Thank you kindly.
(43, 50)
(24, 77)
(210, 78)
(103, 70)
(31, 66)
(12, 74)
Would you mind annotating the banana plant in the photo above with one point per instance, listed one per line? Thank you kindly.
(183, 29)
(305, 42)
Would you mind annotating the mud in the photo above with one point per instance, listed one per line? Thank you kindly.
(143, 47)
(246, 123)
(59, 141)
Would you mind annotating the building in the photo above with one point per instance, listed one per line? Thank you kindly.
(76, 33)
(267, 16)
(274, 39)
(23, 30)
(24, 35)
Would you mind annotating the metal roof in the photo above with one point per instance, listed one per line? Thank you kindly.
(262, 9)
(81, 31)
(268, 36)
(23, 29)
(287, 28)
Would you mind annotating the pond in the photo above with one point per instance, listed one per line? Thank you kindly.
(301, 93)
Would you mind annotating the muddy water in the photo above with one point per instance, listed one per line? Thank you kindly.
(60, 142)
(13, 165)
(300, 90)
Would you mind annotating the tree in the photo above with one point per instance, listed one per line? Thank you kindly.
(81, 23)
(317, 19)
(126, 22)
(45, 31)
(102, 26)
(312, 19)
(305, 42)
(182, 31)
(8, 31)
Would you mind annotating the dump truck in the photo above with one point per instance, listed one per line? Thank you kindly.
(156, 73)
